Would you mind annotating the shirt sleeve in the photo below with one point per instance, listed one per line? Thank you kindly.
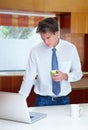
(29, 76)
(75, 73)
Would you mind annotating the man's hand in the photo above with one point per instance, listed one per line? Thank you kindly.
(59, 76)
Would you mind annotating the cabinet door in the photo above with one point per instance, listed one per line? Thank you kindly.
(12, 84)
(79, 22)
(79, 96)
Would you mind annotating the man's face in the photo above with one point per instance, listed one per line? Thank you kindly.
(49, 38)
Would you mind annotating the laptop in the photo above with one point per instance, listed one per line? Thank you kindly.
(13, 106)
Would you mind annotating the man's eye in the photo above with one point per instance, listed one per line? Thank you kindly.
(48, 37)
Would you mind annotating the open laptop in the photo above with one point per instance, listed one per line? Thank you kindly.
(13, 106)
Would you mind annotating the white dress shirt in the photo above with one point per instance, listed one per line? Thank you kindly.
(39, 63)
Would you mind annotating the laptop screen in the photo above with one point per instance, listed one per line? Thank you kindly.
(13, 106)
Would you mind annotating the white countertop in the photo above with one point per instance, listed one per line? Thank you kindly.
(58, 118)
(12, 73)
(19, 72)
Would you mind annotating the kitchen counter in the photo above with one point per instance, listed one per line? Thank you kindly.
(12, 73)
(81, 84)
(58, 118)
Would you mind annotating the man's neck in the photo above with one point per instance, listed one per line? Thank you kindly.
(57, 42)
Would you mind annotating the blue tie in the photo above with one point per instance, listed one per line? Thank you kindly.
(55, 85)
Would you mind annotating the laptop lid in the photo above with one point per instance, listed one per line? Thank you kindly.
(13, 106)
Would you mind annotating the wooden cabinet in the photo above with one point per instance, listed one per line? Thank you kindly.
(12, 84)
(79, 96)
(46, 5)
(86, 53)
(74, 22)
(79, 22)
(65, 23)
(79, 92)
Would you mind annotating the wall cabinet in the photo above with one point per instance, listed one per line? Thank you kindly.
(79, 22)
(74, 22)
(46, 5)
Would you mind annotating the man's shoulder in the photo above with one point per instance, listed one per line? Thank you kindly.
(38, 47)
(65, 42)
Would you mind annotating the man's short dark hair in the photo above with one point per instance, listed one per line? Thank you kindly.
(47, 25)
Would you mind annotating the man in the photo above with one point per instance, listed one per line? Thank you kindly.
(40, 64)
